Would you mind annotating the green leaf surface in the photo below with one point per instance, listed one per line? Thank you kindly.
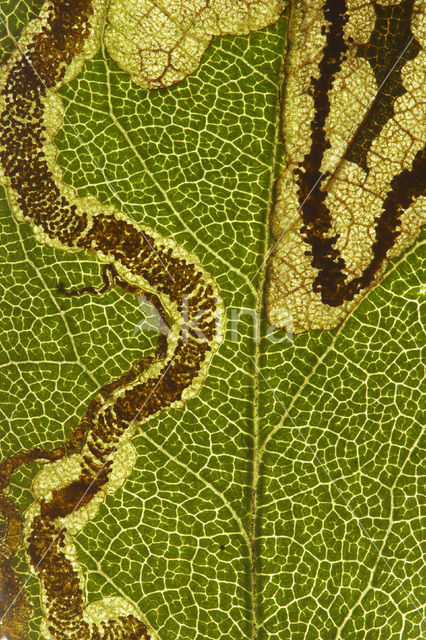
(284, 502)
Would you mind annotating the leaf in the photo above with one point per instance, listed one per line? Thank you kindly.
(353, 191)
(284, 501)
(161, 43)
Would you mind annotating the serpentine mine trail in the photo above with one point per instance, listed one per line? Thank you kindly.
(98, 456)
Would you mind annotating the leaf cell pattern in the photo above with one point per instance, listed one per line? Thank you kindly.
(353, 192)
(291, 419)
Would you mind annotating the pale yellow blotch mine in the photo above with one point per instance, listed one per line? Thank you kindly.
(305, 46)
(353, 91)
(62, 473)
(160, 42)
(55, 475)
(354, 198)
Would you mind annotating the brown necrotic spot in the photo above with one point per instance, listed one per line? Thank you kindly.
(390, 46)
